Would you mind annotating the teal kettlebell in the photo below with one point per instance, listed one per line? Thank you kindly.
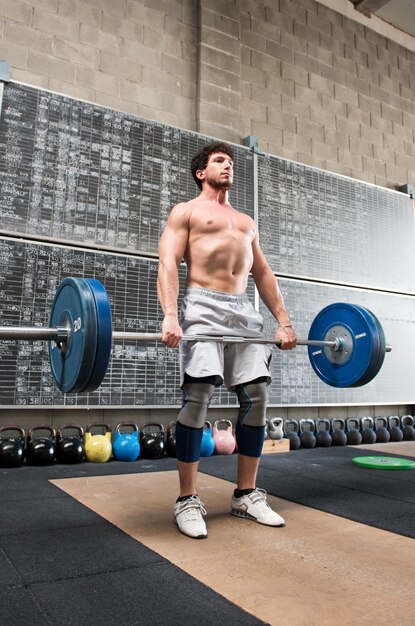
(207, 447)
(126, 446)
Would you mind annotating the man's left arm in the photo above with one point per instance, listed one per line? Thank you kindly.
(271, 295)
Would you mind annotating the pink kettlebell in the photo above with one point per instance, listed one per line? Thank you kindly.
(224, 439)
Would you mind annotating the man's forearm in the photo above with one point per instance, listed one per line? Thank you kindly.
(168, 288)
(271, 295)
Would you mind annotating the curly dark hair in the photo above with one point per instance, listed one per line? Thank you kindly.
(200, 160)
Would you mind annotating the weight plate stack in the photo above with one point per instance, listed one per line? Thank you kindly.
(72, 362)
(359, 356)
(371, 370)
(104, 332)
(382, 349)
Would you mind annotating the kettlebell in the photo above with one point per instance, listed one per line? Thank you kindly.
(323, 437)
(224, 439)
(307, 438)
(394, 428)
(207, 447)
(40, 450)
(125, 446)
(381, 430)
(291, 430)
(338, 434)
(353, 434)
(152, 441)
(408, 429)
(171, 439)
(70, 448)
(276, 428)
(98, 447)
(367, 429)
(12, 449)
(266, 428)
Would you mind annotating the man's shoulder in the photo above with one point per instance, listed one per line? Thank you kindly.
(180, 208)
(183, 209)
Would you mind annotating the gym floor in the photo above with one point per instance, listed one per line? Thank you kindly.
(95, 544)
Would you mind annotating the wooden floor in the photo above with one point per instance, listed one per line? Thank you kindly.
(318, 570)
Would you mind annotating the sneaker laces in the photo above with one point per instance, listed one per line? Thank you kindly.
(259, 497)
(191, 507)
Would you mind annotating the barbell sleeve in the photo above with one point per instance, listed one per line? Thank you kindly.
(34, 333)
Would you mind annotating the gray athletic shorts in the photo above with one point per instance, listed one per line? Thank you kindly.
(206, 312)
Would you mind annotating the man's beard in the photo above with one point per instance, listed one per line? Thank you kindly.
(225, 183)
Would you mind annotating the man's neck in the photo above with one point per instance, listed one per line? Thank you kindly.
(213, 194)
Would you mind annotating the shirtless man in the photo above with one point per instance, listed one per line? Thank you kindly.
(220, 247)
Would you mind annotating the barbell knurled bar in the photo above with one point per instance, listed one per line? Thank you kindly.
(127, 336)
(350, 352)
(62, 334)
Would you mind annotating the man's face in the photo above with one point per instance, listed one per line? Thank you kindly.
(219, 171)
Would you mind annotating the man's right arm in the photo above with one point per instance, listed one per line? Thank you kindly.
(172, 247)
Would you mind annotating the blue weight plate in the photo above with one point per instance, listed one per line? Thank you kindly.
(382, 349)
(363, 352)
(74, 307)
(377, 355)
(104, 343)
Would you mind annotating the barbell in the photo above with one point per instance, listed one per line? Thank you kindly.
(346, 342)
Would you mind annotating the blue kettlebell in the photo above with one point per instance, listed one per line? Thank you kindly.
(207, 447)
(126, 446)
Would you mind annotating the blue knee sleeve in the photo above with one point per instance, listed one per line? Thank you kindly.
(250, 439)
(188, 442)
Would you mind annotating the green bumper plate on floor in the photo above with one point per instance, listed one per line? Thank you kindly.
(383, 462)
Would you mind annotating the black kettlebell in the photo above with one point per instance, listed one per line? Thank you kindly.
(408, 429)
(367, 429)
(381, 430)
(40, 450)
(353, 434)
(171, 439)
(70, 448)
(338, 434)
(307, 438)
(12, 449)
(291, 430)
(323, 437)
(394, 428)
(152, 441)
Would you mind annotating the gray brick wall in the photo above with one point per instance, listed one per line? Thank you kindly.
(136, 56)
(312, 84)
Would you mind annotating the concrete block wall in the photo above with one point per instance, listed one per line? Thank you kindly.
(135, 56)
(315, 82)
(324, 90)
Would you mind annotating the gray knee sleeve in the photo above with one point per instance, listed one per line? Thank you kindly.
(196, 398)
(253, 404)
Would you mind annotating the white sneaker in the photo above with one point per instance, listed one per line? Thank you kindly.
(188, 517)
(255, 506)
